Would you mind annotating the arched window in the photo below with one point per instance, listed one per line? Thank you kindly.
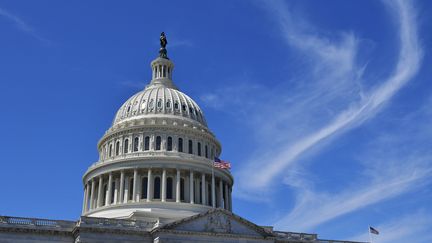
(168, 104)
(190, 147)
(182, 189)
(144, 188)
(176, 106)
(180, 145)
(159, 103)
(147, 143)
(117, 149)
(199, 149)
(110, 150)
(169, 188)
(206, 151)
(126, 146)
(169, 144)
(157, 188)
(158, 143)
(130, 192)
(136, 144)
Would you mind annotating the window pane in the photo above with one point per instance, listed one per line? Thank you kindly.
(147, 143)
(180, 145)
(126, 146)
(199, 149)
(156, 188)
(169, 188)
(131, 183)
(136, 144)
(169, 144)
(117, 148)
(158, 142)
(190, 147)
(144, 188)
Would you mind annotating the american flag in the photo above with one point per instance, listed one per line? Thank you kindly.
(221, 164)
(373, 230)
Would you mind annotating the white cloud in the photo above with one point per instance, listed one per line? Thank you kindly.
(398, 176)
(340, 71)
(23, 26)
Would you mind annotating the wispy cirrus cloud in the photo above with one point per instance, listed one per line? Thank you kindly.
(338, 75)
(22, 25)
(394, 164)
(331, 98)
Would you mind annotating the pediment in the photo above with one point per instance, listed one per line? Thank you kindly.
(218, 221)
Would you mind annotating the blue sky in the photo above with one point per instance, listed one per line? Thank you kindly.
(323, 107)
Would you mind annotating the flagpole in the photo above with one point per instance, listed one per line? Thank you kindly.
(370, 236)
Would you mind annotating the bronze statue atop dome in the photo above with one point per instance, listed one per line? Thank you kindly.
(163, 43)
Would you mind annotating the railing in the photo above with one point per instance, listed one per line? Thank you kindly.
(122, 223)
(295, 236)
(36, 222)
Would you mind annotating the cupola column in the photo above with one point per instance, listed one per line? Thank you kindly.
(226, 196)
(92, 192)
(108, 197)
(213, 191)
(135, 185)
(99, 199)
(164, 178)
(149, 185)
(121, 195)
(84, 208)
(178, 186)
(220, 193)
(230, 199)
(203, 192)
(191, 187)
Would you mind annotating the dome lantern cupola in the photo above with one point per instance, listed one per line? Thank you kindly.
(162, 67)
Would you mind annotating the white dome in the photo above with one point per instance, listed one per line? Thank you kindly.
(156, 161)
(159, 100)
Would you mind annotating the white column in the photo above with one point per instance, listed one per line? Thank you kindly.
(178, 186)
(220, 193)
(92, 194)
(126, 190)
(226, 196)
(85, 199)
(121, 195)
(108, 198)
(213, 191)
(230, 199)
(116, 190)
(135, 184)
(191, 187)
(164, 185)
(99, 199)
(203, 192)
(149, 185)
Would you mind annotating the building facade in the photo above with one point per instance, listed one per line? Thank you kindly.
(155, 180)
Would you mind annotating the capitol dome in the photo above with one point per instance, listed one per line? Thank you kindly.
(160, 101)
(156, 160)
